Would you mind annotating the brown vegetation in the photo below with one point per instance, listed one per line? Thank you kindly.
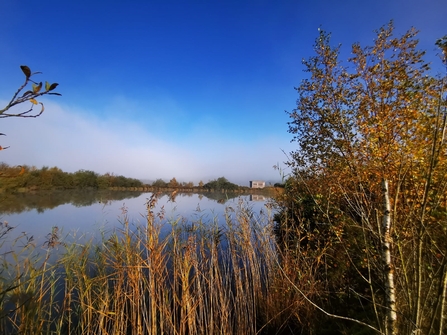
(156, 278)
(366, 204)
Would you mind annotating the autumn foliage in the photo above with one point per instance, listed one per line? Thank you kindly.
(381, 116)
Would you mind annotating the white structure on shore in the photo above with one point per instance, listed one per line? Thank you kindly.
(257, 184)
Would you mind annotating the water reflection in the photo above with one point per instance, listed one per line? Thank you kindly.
(257, 197)
(92, 214)
(43, 200)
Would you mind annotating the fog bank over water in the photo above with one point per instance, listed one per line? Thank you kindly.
(74, 139)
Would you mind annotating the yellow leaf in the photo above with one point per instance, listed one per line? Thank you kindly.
(34, 101)
(36, 88)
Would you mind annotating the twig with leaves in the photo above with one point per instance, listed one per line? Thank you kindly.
(29, 95)
(37, 90)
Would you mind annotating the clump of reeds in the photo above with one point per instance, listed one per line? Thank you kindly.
(28, 284)
(160, 277)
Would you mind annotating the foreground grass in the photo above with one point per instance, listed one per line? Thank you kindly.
(155, 278)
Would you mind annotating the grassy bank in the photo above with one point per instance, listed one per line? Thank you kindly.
(157, 278)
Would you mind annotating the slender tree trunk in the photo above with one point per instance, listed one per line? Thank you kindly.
(389, 282)
(443, 304)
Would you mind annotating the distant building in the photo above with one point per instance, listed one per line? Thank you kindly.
(257, 184)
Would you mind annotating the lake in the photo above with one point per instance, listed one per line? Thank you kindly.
(88, 213)
(143, 279)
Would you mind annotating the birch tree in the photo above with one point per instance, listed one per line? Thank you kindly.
(379, 117)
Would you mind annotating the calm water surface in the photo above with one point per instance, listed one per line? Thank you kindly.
(86, 215)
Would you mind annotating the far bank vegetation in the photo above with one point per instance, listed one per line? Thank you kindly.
(25, 178)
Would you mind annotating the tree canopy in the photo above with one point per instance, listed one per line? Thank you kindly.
(220, 184)
(379, 117)
(29, 177)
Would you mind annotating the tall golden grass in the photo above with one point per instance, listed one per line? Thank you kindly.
(159, 277)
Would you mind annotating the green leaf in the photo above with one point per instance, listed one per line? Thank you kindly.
(47, 86)
(26, 70)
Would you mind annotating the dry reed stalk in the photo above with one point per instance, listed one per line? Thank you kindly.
(201, 278)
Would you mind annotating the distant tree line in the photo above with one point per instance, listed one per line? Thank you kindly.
(46, 178)
(29, 177)
(217, 184)
(173, 183)
(221, 184)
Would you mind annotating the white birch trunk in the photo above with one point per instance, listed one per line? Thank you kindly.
(443, 305)
(389, 275)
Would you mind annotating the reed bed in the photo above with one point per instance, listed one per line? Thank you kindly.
(161, 277)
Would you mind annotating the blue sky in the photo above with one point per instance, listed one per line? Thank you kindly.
(189, 89)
